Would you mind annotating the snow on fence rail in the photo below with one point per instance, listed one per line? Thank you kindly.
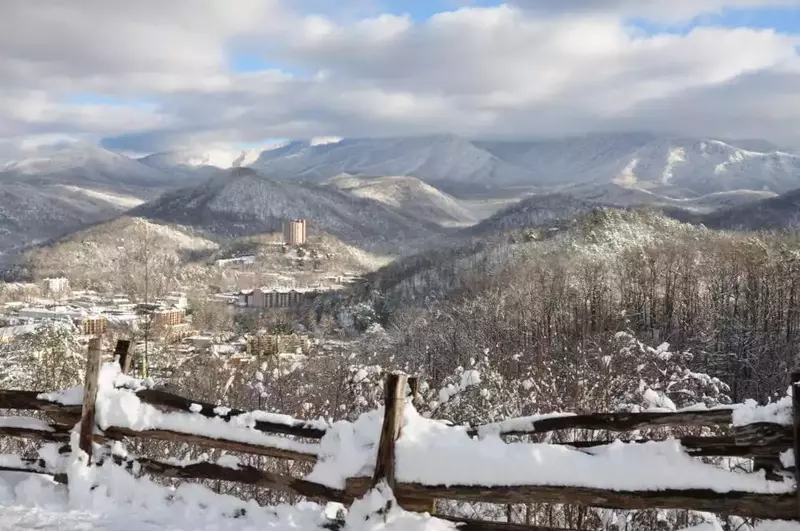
(422, 459)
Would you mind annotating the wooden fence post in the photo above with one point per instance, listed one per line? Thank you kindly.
(796, 423)
(123, 352)
(413, 384)
(394, 404)
(89, 397)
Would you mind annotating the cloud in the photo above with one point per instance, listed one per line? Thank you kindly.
(523, 69)
(669, 10)
(98, 43)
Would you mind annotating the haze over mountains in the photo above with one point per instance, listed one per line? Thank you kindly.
(374, 190)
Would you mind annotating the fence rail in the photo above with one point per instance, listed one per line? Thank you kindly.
(762, 442)
(608, 421)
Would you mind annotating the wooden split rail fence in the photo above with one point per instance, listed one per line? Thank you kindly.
(762, 442)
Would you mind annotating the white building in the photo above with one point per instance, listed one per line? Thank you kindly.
(55, 286)
(239, 260)
(272, 297)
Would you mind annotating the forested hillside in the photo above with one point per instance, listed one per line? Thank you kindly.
(550, 299)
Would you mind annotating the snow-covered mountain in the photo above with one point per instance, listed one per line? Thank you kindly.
(101, 255)
(543, 209)
(62, 188)
(88, 166)
(244, 202)
(409, 195)
(670, 166)
(532, 212)
(692, 174)
(34, 213)
(430, 158)
(779, 212)
(611, 194)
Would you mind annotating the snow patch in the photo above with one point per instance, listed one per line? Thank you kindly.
(119, 200)
(379, 509)
(779, 412)
(627, 177)
(26, 423)
(674, 156)
(324, 140)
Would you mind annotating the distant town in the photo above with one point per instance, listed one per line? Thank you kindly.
(168, 319)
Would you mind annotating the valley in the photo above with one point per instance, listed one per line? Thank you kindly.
(294, 279)
(380, 265)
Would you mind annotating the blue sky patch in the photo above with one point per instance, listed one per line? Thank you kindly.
(96, 98)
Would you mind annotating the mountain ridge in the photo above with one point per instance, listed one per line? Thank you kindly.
(409, 195)
(243, 202)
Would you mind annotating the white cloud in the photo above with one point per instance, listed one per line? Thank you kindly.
(665, 10)
(521, 69)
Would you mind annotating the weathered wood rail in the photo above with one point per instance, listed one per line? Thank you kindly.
(612, 422)
(762, 442)
(773, 506)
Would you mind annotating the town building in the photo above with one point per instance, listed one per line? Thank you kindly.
(262, 345)
(294, 232)
(168, 317)
(239, 260)
(94, 325)
(58, 286)
(265, 298)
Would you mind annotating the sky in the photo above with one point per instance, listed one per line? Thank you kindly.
(149, 75)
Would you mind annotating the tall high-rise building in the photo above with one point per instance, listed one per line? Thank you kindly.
(294, 231)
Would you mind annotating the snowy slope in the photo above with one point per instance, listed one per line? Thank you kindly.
(671, 166)
(121, 200)
(244, 202)
(431, 158)
(89, 166)
(409, 195)
(99, 255)
(659, 163)
(778, 212)
(612, 194)
(65, 187)
(29, 213)
(531, 212)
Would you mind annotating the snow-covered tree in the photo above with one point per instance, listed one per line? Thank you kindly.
(49, 358)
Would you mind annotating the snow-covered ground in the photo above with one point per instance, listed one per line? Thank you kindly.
(29, 501)
(33, 502)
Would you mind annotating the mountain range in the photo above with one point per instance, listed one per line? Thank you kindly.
(668, 166)
(375, 189)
